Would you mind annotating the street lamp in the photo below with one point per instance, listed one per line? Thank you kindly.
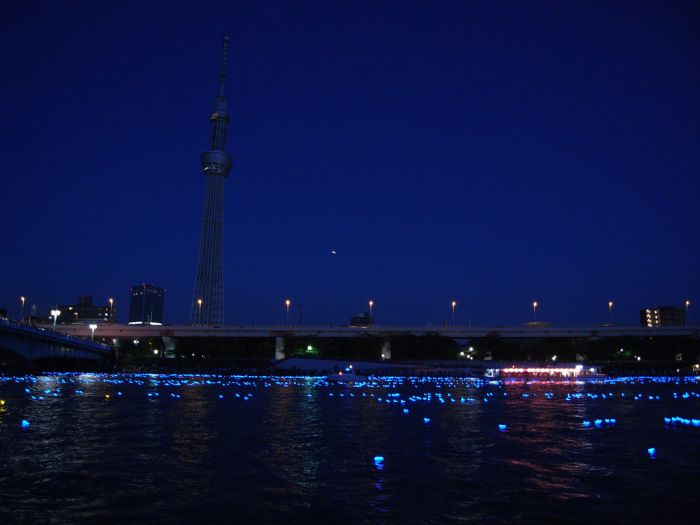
(371, 304)
(55, 314)
(687, 304)
(454, 305)
(535, 304)
(21, 310)
(610, 305)
(111, 309)
(287, 304)
(199, 310)
(92, 327)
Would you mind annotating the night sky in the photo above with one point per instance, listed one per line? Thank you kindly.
(488, 152)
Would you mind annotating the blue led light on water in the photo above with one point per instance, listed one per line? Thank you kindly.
(379, 462)
(586, 423)
(25, 423)
(426, 420)
(652, 452)
(502, 427)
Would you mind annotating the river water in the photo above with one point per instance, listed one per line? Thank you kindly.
(178, 448)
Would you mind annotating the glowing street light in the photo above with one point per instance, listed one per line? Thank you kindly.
(610, 306)
(55, 314)
(287, 304)
(21, 309)
(199, 313)
(687, 304)
(371, 304)
(535, 304)
(454, 305)
(111, 308)
(92, 327)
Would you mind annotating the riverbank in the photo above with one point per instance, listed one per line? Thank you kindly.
(320, 366)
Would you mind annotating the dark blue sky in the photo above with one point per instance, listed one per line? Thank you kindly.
(490, 152)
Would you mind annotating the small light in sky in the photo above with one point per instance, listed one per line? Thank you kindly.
(333, 252)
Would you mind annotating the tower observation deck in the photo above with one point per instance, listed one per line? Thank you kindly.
(208, 300)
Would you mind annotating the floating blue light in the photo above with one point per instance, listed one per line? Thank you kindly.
(652, 452)
(426, 420)
(502, 427)
(25, 423)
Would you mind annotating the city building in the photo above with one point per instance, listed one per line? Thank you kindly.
(362, 320)
(85, 312)
(146, 306)
(208, 300)
(662, 316)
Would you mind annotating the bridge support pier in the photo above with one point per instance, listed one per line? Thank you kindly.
(279, 348)
(386, 350)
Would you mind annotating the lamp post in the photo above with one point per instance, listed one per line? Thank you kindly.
(687, 305)
(92, 327)
(371, 304)
(454, 305)
(199, 311)
(21, 308)
(287, 304)
(610, 306)
(111, 309)
(535, 304)
(55, 314)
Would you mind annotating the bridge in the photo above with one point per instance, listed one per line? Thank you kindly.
(531, 331)
(32, 343)
(171, 333)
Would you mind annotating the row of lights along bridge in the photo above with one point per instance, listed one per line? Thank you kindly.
(288, 304)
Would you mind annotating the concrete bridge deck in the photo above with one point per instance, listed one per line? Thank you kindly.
(532, 331)
(33, 343)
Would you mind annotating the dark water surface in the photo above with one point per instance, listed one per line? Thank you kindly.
(301, 450)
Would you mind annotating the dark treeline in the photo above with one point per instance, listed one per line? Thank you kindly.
(617, 355)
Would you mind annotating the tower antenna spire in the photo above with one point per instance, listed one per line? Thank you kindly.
(224, 62)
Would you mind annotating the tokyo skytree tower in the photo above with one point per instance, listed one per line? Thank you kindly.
(208, 301)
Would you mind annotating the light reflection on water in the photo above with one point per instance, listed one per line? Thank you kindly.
(301, 450)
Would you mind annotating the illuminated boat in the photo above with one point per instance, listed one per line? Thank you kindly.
(577, 372)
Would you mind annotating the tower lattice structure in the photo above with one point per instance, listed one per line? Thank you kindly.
(208, 301)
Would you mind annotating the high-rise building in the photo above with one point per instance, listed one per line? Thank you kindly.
(662, 316)
(146, 305)
(85, 312)
(208, 300)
